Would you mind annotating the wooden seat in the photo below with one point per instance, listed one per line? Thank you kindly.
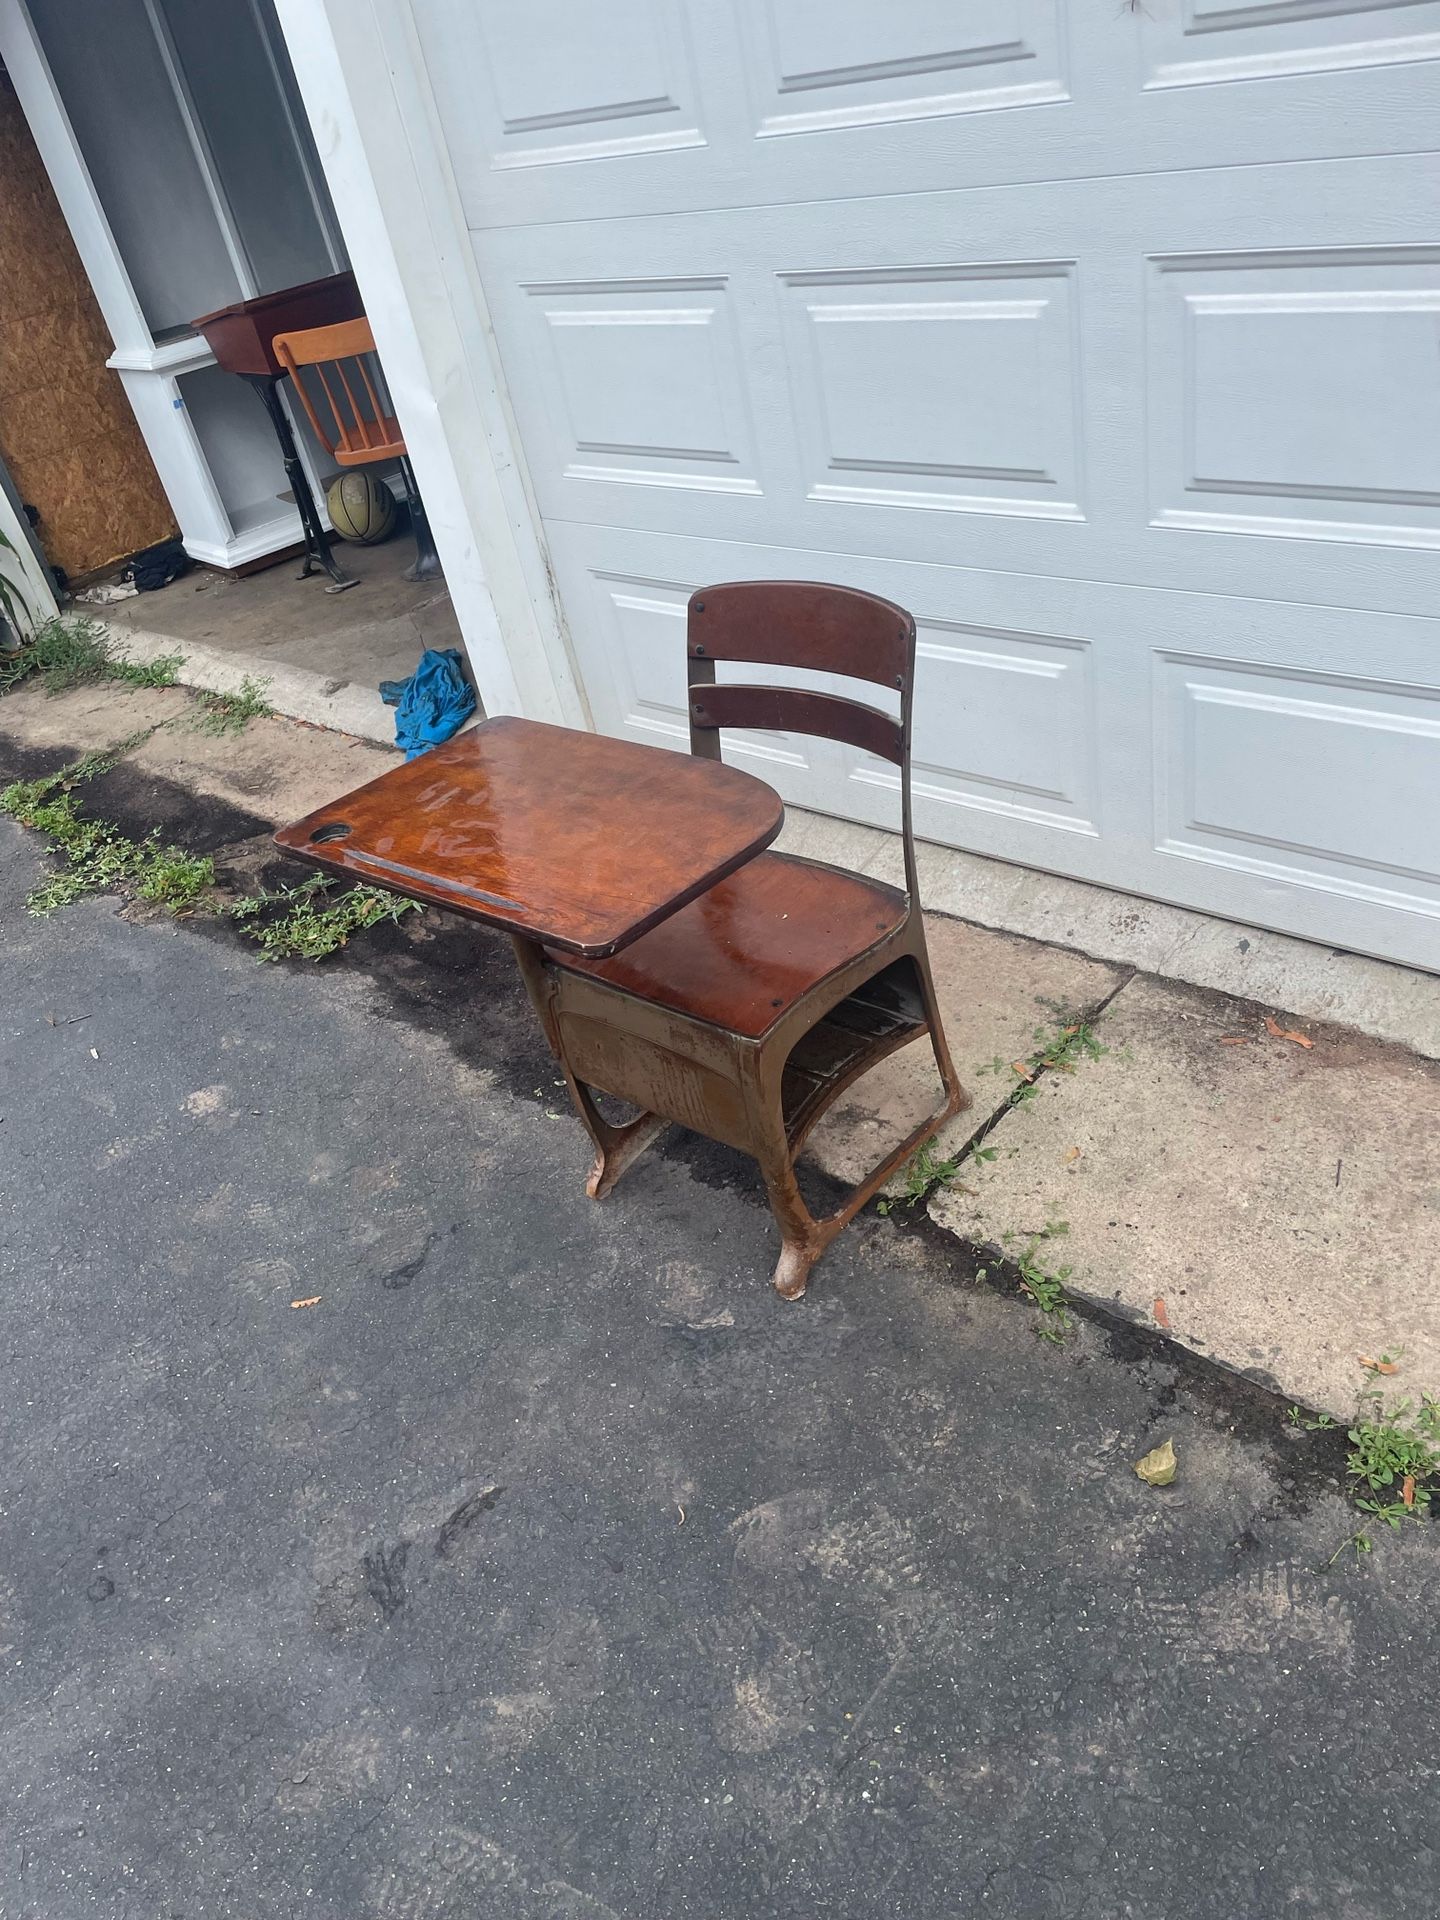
(746, 1012)
(352, 421)
(742, 954)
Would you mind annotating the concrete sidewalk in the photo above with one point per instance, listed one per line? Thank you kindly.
(545, 1566)
(1279, 1201)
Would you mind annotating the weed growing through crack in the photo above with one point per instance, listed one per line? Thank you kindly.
(221, 713)
(303, 923)
(1393, 1461)
(1045, 1288)
(163, 671)
(1057, 1050)
(71, 652)
(1394, 1457)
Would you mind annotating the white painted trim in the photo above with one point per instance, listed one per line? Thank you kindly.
(271, 536)
(176, 356)
(22, 569)
(363, 80)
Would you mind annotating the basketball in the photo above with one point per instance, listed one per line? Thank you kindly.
(361, 507)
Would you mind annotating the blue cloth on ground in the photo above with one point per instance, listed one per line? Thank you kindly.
(433, 703)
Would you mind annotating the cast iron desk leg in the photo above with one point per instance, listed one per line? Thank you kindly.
(317, 545)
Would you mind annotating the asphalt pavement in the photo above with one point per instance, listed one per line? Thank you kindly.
(388, 1530)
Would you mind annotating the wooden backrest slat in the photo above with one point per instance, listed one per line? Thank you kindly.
(796, 710)
(803, 623)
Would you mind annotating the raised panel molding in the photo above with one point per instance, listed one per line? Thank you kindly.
(1296, 394)
(825, 64)
(1325, 781)
(647, 379)
(983, 698)
(1204, 42)
(558, 83)
(939, 387)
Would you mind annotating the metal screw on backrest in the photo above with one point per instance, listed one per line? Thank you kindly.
(699, 653)
(699, 606)
(899, 679)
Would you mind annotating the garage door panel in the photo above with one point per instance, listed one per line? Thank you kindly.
(824, 65)
(948, 388)
(1332, 781)
(643, 382)
(1142, 422)
(1217, 42)
(1268, 762)
(556, 111)
(1231, 408)
(533, 85)
(1295, 394)
(1006, 724)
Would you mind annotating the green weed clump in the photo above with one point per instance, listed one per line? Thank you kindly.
(220, 713)
(98, 857)
(71, 651)
(302, 922)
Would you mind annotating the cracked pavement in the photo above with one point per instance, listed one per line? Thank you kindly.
(549, 1566)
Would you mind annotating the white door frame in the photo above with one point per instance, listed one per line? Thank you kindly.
(363, 79)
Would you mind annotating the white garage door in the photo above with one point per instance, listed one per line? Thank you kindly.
(1096, 335)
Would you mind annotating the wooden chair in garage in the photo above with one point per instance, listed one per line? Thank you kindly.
(353, 424)
(746, 1013)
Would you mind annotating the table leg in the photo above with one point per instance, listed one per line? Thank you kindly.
(426, 564)
(317, 544)
(615, 1147)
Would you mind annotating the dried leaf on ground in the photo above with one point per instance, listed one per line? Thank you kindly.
(1277, 1032)
(313, 1301)
(1234, 1040)
(1407, 1489)
(1162, 1318)
(1019, 1066)
(1378, 1366)
(1072, 1156)
(1157, 1469)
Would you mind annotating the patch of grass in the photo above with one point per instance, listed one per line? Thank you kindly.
(69, 650)
(100, 859)
(302, 922)
(220, 713)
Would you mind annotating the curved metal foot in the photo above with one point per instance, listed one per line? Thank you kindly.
(792, 1270)
(618, 1147)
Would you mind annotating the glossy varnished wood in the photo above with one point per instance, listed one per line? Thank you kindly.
(749, 948)
(803, 623)
(746, 1014)
(569, 838)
